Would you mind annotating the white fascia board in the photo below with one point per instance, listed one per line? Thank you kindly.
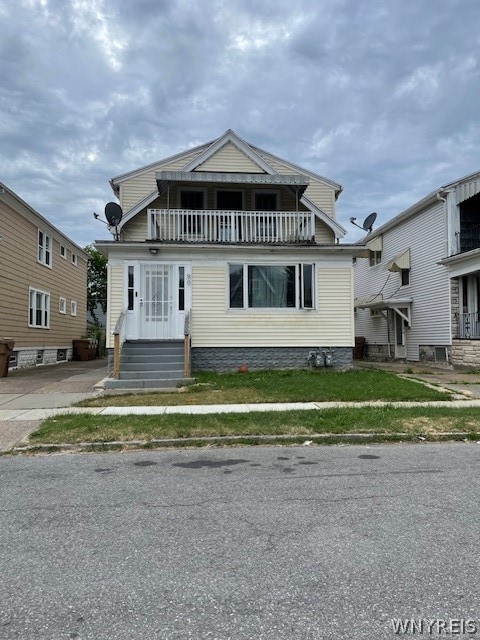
(114, 182)
(244, 147)
(138, 207)
(337, 228)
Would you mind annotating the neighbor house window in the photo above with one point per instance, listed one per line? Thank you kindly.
(375, 257)
(73, 308)
(39, 359)
(405, 277)
(62, 305)
(38, 309)
(44, 248)
(61, 355)
(271, 286)
(74, 259)
(63, 252)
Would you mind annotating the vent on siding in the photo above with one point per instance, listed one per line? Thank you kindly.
(441, 354)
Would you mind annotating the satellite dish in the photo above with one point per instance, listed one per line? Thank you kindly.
(113, 213)
(369, 221)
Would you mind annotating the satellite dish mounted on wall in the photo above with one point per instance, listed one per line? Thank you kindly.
(367, 223)
(113, 214)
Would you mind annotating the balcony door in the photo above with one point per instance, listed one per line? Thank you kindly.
(229, 225)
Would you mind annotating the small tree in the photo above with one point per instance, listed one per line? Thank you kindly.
(96, 283)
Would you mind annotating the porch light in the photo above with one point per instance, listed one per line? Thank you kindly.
(153, 250)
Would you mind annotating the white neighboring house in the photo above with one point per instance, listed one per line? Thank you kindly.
(417, 294)
(236, 249)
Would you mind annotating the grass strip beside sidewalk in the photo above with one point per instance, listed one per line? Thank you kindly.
(424, 421)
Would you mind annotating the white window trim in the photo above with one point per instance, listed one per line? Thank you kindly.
(42, 250)
(62, 305)
(64, 254)
(299, 293)
(46, 308)
(74, 259)
(73, 307)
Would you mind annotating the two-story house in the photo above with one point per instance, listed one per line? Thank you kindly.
(418, 292)
(236, 249)
(43, 285)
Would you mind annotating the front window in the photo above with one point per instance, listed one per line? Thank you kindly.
(271, 286)
(44, 248)
(39, 309)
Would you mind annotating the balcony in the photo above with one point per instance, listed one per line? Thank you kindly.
(195, 226)
(468, 326)
(469, 238)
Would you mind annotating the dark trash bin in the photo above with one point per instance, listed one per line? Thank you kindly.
(6, 348)
(81, 349)
(360, 348)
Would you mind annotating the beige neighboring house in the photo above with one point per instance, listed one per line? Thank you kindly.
(43, 285)
(238, 250)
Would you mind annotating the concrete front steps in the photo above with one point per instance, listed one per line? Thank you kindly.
(150, 364)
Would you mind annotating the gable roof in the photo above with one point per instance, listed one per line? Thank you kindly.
(205, 151)
(24, 209)
(464, 188)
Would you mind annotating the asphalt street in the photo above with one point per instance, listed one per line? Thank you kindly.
(245, 543)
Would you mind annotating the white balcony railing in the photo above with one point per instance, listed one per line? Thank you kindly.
(182, 225)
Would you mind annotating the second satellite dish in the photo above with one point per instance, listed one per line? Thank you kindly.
(369, 221)
(113, 213)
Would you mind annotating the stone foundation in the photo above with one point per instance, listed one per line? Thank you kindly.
(27, 358)
(377, 352)
(466, 353)
(435, 354)
(260, 358)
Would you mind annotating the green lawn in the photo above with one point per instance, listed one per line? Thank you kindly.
(426, 421)
(282, 386)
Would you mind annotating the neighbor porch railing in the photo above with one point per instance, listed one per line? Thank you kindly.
(185, 225)
(468, 326)
(469, 239)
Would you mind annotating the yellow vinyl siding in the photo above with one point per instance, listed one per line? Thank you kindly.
(323, 234)
(136, 229)
(134, 189)
(20, 271)
(213, 325)
(229, 158)
(115, 299)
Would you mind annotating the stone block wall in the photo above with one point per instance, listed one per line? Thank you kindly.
(258, 358)
(466, 353)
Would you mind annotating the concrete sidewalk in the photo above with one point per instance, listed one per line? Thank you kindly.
(29, 396)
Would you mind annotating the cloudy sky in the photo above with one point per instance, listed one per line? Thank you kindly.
(381, 96)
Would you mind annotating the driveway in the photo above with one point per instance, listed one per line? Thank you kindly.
(46, 387)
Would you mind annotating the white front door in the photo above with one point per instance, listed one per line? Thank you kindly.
(157, 296)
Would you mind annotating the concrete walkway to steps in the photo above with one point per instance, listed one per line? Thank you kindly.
(29, 396)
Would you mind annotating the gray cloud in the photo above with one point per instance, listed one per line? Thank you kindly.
(381, 96)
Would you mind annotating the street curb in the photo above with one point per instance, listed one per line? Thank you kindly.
(305, 440)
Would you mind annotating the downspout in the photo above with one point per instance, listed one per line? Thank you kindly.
(449, 251)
